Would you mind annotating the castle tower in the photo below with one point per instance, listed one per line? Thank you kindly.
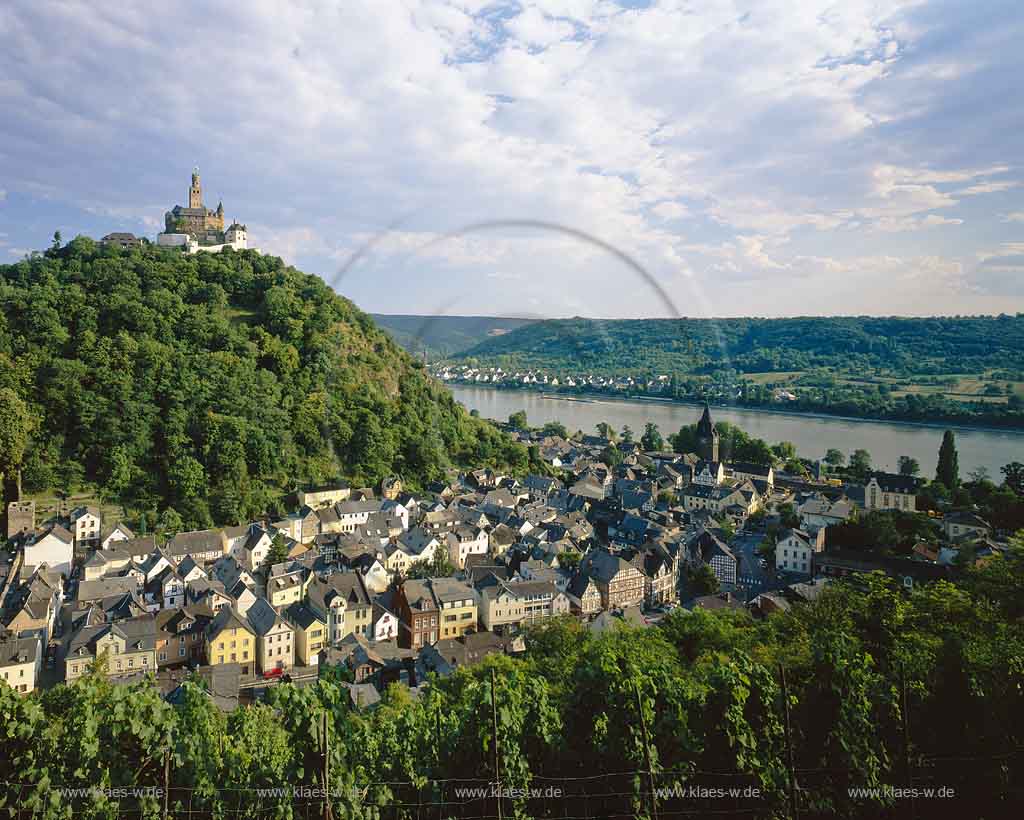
(707, 436)
(195, 193)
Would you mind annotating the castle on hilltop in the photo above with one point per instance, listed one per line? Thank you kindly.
(197, 228)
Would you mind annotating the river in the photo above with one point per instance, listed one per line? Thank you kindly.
(812, 435)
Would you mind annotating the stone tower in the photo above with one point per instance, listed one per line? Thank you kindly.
(707, 436)
(195, 193)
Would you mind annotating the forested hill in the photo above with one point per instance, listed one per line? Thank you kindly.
(212, 384)
(910, 345)
(444, 335)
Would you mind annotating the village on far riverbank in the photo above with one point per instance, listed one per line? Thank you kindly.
(811, 433)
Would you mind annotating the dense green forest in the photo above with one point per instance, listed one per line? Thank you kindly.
(883, 687)
(865, 344)
(441, 336)
(206, 387)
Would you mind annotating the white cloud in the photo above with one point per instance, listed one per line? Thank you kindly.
(787, 132)
(988, 188)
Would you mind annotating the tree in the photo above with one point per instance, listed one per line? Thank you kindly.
(909, 466)
(834, 458)
(278, 551)
(605, 430)
(651, 439)
(554, 428)
(860, 463)
(701, 580)
(438, 566)
(1014, 476)
(979, 475)
(518, 420)
(627, 434)
(16, 426)
(948, 470)
(785, 450)
(611, 455)
(788, 516)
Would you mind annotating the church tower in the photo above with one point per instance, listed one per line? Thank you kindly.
(707, 436)
(195, 193)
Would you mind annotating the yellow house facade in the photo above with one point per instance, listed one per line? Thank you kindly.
(229, 639)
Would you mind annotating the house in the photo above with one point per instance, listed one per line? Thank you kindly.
(204, 546)
(417, 612)
(795, 549)
(583, 594)
(354, 514)
(384, 621)
(209, 593)
(766, 603)
(21, 518)
(888, 491)
(230, 639)
(500, 539)
(505, 604)
(959, 525)
(32, 607)
(464, 541)
(342, 603)
(310, 631)
(128, 646)
(20, 661)
(618, 582)
(105, 562)
(714, 552)
(376, 662)
(398, 558)
(54, 546)
(121, 239)
(252, 551)
(445, 656)
(119, 533)
(841, 563)
(91, 592)
(85, 526)
(457, 607)
(275, 638)
(818, 511)
(709, 473)
(630, 531)
(286, 584)
(539, 487)
(661, 576)
(324, 495)
(181, 636)
(759, 474)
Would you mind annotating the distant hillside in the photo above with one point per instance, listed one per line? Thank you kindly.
(869, 344)
(210, 384)
(444, 335)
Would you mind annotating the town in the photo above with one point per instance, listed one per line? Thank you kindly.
(382, 585)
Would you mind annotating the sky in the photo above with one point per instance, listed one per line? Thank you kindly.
(555, 158)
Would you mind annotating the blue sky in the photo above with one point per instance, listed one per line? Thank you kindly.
(755, 158)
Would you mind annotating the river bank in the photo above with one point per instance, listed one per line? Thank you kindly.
(583, 397)
(813, 434)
